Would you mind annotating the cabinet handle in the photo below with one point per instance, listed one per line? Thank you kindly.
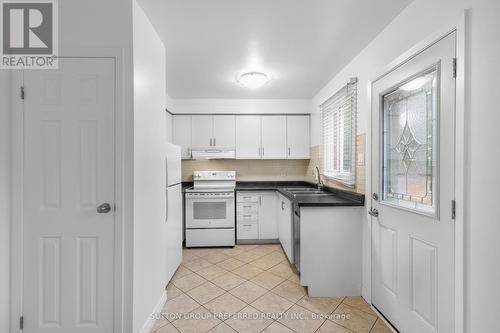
(260, 201)
(211, 142)
(247, 225)
(288, 151)
(214, 143)
(259, 152)
(247, 215)
(263, 151)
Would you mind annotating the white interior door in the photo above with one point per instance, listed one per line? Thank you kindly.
(413, 184)
(68, 246)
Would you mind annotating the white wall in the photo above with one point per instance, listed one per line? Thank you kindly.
(5, 187)
(242, 106)
(419, 20)
(149, 169)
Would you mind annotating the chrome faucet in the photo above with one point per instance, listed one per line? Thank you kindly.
(320, 183)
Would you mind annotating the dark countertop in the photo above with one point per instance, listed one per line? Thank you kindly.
(338, 197)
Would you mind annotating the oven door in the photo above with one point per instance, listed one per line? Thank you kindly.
(214, 212)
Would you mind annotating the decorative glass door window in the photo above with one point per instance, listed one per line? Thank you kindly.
(410, 141)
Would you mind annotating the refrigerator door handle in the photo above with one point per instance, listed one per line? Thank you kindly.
(166, 204)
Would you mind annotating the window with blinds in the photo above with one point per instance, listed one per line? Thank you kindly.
(338, 123)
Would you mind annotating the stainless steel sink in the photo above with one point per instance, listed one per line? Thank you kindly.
(300, 189)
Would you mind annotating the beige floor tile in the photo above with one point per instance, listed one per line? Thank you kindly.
(267, 280)
(211, 272)
(279, 254)
(282, 269)
(162, 321)
(325, 305)
(172, 291)
(167, 329)
(178, 307)
(232, 251)
(246, 247)
(201, 252)
(272, 303)
(289, 290)
(197, 264)
(228, 281)
(277, 328)
(250, 320)
(188, 256)
(181, 272)
(198, 321)
(189, 282)
(301, 320)
(190, 252)
(248, 291)
(359, 303)
(216, 257)
(331, 327)
(247, 257)
(247, 271)
(205, 293)
(262, 250)
(353, 318)
(231, 264)
(222, 328)
(294, 278)
(266, 262)
(380, 327)
(225, 304)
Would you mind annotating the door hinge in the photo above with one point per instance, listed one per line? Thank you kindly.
(454, 67)
(453, 209)
(22, 93)
(21, 322)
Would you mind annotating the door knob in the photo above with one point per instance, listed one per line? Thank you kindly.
(104, 208)
(373, 212)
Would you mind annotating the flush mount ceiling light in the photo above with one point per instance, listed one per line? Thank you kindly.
(253, 80)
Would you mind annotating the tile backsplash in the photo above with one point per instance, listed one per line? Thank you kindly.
(250, 170)
(276, 170)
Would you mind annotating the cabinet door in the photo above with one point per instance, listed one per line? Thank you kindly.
(202, 130)
(224, 131)
(181, 134)
(285, 226)
(298, 137)
(268, 217)
(248, 137)
(274, 137)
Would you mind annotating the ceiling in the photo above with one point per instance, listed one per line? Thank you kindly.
(301, 44)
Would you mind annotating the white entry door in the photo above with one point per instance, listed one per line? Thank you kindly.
(413, 183)
(68, 197)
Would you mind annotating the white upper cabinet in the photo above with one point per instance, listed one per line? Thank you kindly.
(298, 137)
(248, 144)
(224, 131)
(274, 137)
(181, 134)
(202, 130)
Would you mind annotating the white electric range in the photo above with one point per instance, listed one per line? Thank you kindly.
(210, 215)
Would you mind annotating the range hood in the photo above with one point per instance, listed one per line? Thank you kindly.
(213, 153)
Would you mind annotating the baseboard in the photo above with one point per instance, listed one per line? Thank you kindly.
(148, 325)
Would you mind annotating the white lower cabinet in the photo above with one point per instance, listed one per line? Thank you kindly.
(285, 226)
(256, 216)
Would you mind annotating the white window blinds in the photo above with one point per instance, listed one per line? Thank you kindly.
(338, 123)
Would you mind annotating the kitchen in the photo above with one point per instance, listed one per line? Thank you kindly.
(233, 166)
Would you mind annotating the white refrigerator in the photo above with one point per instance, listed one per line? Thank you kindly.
(174, 209)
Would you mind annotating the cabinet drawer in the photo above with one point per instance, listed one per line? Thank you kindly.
(247, 198)
(247, 218)
(247, 208)
(248, 231)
